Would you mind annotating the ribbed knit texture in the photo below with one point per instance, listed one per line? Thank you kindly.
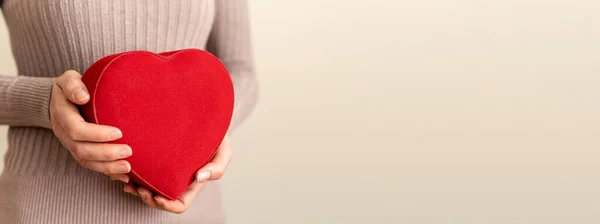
(41, 183)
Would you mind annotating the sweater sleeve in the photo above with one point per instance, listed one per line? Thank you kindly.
(24, 101)
(230, 41)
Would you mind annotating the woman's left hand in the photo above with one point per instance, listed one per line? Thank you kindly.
(213, 170)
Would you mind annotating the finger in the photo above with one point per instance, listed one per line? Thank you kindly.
(184, 201)
(75, 127)
(215, 169)
(174, 206)
(108, 168)
(73, 88)
(130, 188)
(147, 198)
(120, 177)
(60, 101)
(100, 151)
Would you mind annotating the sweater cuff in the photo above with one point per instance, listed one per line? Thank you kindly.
(31, 100)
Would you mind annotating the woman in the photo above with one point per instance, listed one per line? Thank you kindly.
(57, 168)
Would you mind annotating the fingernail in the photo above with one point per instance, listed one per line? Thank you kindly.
(203, 176)
(125, 152)
(123, 168)
(81, 95)
(141, 195)
(159, 200)
(132, 192)
(121, 178)
(116, 134)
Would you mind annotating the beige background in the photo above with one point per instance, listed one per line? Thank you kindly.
(419, 112)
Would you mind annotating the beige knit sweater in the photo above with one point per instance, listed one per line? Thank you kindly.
(41, 183)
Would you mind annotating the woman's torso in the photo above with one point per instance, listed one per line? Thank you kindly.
(41, 183)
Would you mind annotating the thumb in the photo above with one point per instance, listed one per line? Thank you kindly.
(73, 88)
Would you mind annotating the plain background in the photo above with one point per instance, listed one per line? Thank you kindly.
(428, 111)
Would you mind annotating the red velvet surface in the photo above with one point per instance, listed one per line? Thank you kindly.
(173, 108)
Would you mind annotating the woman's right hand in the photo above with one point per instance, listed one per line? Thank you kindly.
(85, 141)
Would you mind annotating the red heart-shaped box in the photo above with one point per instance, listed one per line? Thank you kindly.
(174, 109)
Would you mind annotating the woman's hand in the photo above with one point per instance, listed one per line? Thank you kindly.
(214, 170)
(85, 140)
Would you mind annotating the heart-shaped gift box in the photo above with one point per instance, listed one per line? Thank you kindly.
(173, 108)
